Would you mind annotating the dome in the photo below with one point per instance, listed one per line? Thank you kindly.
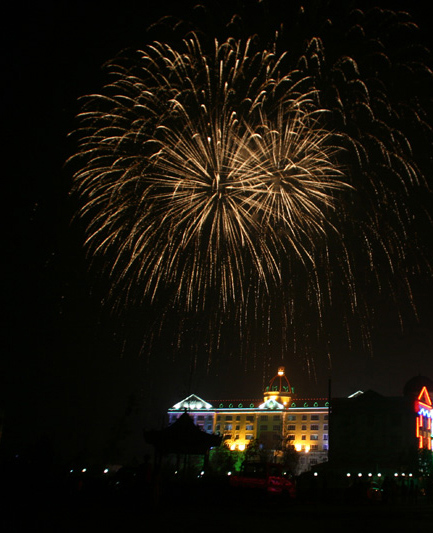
(279, 383)
(413, 386)
(279, 388)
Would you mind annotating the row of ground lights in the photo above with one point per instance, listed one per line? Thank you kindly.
(360, 474)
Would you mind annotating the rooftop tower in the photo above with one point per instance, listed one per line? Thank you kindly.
(279, 389)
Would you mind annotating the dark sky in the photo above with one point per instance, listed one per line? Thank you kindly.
(69, 379)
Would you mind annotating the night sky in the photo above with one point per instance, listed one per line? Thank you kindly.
(74, 378)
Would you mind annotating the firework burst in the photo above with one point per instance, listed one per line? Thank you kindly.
(237, 184)
(191, 186)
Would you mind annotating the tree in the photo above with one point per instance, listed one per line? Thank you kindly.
(289, 457)
(223, 460)
(256, 452)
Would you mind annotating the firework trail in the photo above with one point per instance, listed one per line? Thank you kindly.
(233, 183)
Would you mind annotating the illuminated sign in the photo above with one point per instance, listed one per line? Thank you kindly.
(424, 410)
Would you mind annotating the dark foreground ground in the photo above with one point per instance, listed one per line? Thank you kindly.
(208, 507)
(188, 518)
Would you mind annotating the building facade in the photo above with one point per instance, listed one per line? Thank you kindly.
(275, 420)
(375, 433)
(366, 431)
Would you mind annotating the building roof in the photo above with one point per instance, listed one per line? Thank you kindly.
(255, 403)
(415, 384)
(191, 403)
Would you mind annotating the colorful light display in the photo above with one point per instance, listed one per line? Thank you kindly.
(271, 420)
(424, 410)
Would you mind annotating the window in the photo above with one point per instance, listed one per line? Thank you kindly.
(304, 417)
(250, 418)
(304, 427)
(291, 418)
(229, 417)
(276, 428)
(200, 417)
(290, 437)
(249, 427)
(263, 427)
(325, 446)
(228, 427)
(314, 437)
(325, 437)
(248, 437)
(325, 426)
(314, 417)
(277, 417)
(291, 427)
(304, 437)
(236, 437)
(238, 428)
(217, 427)
(219, 417)
(238, 417)
(263, 417)
(314, 447)
(314, 427)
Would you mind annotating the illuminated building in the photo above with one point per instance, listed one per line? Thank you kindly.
(279, 417)
(366, 431)
(369, 431)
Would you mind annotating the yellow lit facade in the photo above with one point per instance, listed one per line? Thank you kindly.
(279, 418)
